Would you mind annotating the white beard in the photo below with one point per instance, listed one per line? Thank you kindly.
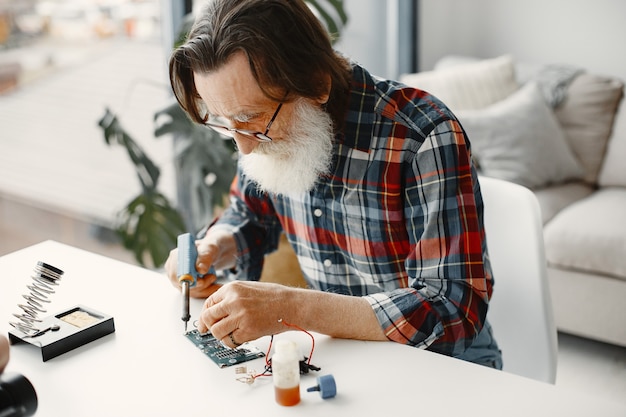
(292, 166)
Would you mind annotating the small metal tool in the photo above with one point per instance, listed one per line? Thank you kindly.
(53, 328)
(186, 272)
(185, 290)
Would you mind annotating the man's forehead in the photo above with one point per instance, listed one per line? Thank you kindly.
(232, 88)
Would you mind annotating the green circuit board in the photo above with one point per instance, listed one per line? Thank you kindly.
(222, 355)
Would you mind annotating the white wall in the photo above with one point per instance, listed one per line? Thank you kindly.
(379, 36)
(588, 33)
(364, 37)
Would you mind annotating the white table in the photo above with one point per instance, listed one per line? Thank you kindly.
(148, 368)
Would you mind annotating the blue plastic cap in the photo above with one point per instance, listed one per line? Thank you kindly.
(326, 386)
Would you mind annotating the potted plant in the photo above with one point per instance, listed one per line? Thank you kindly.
(205, 165)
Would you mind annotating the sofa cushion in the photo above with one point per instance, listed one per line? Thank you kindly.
(586, 116)
(473, 85)
(555, 198)
(613, 173)
(590, 235)
(518, 139)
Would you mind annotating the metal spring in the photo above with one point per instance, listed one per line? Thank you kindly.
(44, 277)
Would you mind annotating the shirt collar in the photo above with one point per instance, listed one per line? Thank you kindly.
(359, 122)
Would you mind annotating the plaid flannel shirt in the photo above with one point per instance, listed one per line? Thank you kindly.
(398, 221)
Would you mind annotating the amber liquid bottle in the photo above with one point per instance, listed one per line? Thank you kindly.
(286, 373)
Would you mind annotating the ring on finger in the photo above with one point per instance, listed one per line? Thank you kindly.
(232, 339)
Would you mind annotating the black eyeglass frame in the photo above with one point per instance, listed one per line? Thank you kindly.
(252, 134)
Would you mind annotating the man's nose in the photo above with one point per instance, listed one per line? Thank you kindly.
(244, 143)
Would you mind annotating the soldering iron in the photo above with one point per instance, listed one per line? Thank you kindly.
(186, 271)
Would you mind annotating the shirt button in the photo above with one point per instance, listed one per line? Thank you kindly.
(317, 212)
(328, 263)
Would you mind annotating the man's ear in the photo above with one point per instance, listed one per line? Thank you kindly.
(327, 85)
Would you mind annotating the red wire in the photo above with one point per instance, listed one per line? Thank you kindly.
(269, 348)
(302, 330)
(267, 362)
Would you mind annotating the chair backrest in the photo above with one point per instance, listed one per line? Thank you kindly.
(520, 310)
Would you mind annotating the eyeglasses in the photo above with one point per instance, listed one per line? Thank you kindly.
(251, 134)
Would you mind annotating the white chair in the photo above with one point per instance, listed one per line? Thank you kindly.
(520, 310)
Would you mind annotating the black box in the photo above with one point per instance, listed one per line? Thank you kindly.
(67, 330)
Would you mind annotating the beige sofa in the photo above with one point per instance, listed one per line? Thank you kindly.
(561, 132)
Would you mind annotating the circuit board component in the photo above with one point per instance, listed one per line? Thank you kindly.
(222, 355)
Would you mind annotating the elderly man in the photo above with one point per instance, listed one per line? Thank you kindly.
(372, 183)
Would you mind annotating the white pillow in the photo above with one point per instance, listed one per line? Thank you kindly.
(587, 116)
(520, 140)
(473, 85)
(613, 173)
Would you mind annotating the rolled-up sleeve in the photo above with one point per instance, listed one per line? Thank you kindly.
(445, 303)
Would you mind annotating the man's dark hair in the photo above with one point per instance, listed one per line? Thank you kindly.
(289, 52)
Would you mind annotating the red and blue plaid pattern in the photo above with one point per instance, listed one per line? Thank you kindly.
(398, 220)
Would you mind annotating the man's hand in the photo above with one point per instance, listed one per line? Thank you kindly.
(246, 310)
(204, 284)
(216, 249)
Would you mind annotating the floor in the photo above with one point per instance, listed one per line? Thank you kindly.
(592, 367)
(79, 183)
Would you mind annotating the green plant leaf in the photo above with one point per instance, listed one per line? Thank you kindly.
(183, 31)
(149, 226)
(173, 120)
(147, 172)
(334, 24)
(200, 154)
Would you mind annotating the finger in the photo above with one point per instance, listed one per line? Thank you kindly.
(214, 314)
(213, 299)
(207, 254)
(231, 340)
(205, 281)
(203, 267)
(204, 292)
(202, 326)
(210, 316)
(222, 330)
(218, 320)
